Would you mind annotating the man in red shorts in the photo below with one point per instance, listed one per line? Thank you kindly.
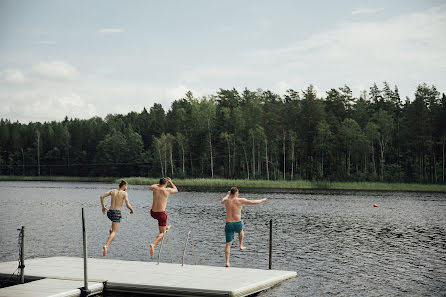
(160, 194)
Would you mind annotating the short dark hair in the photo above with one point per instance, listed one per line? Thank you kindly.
(122, 183)
(234, 190)
(163, 181)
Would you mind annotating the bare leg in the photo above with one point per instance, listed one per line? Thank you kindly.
(227, 251)
(114, 229)
(158, 239)
(240, 238)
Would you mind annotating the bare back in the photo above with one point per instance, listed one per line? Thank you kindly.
(234, 209)
(117, 199)
(160, 196)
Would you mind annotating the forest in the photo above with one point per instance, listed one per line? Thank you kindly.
(253, 134)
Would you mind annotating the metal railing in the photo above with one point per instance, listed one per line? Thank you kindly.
(189, 234)
(166, 234)
(84, 290)
(22, 255)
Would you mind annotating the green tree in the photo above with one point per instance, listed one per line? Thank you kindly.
(322, 142)
(384, 123)
(372, 135)
(182, 143)
(353, 137)
(120, 152)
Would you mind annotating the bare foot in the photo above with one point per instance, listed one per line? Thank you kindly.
(242, 248)
(227, 265)
(152, 250)
(105, 250)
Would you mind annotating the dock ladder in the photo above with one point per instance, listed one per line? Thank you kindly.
(166, 234)
(189, 234)
(188, 238)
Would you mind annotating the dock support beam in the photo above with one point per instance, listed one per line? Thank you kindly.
(22, 255)
(270, 243)
(84, 291)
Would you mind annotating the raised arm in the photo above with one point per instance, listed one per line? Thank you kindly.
(154, 187)
(253, 202)
(172, 190)
(127, 203)
(104, 209)
(226, 198)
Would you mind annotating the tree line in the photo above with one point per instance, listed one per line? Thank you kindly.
(249, 134)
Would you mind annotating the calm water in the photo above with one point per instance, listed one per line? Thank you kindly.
(337, 242)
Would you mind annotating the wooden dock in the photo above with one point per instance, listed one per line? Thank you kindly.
(151, 278)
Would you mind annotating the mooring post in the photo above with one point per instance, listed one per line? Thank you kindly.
(84, 290)
(270, 243)
(22, 255)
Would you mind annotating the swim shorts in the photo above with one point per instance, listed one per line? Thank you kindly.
(232, 227)
(114, 215)
(161, 216)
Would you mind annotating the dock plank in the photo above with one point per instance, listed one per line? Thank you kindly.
(50, 288)
(148, 277)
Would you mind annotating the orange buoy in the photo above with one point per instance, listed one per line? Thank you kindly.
(375, 205)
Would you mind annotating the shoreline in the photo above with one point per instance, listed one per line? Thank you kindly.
(245, 183)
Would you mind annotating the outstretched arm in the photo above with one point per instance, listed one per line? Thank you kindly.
(226, 198)
(104, 209)
(172, 190)
(127, 203)
(253, 202)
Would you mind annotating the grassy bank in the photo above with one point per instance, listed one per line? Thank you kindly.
(58, 178)
(244, 183)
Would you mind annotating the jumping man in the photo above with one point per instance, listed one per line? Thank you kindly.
(234, 222)
(118, 196)
(160, 194)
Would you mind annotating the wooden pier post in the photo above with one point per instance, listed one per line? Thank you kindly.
(84, 290)
(22, 255)
(270, 243)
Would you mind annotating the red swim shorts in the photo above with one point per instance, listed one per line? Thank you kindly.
(161, 216)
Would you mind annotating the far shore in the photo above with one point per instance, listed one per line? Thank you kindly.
(247, 183)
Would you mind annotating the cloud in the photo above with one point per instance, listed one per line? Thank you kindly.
(13, 76)
(53, 98)
(37, 106)
(409, 48)
(281, 87)
(210, 72)
(367, 11)
(110, 30)
(225, 29)
(59, 70)
(44, 42)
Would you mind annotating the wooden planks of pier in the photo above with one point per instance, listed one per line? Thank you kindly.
(150, 278)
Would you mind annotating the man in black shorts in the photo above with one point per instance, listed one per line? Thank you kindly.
(118, 196)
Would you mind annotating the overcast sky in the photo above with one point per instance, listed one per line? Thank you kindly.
(88, 58)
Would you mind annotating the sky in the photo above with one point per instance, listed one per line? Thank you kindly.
(91, 58)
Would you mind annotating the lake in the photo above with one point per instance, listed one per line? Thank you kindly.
(337, 242)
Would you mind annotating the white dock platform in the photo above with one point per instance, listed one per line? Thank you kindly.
(50, 288)
(150, 278)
